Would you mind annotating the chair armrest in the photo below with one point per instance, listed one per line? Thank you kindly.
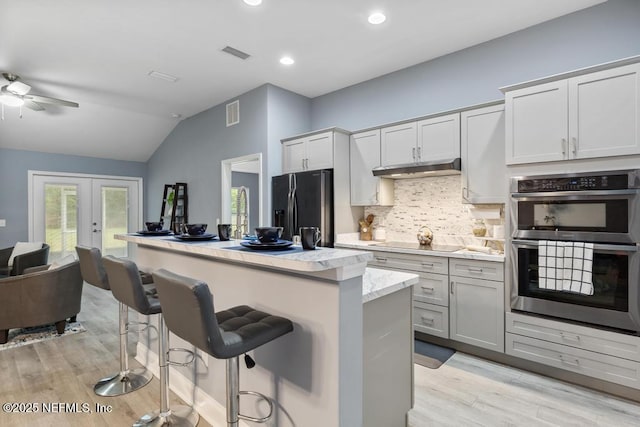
(35, 269)
(30, 259)
(5, 254)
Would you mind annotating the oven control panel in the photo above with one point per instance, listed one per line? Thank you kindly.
(578, 183)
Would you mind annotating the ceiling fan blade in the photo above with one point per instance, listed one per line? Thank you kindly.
(48, 100)
(19, 88)
(33, 105)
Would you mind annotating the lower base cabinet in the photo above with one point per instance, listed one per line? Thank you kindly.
(431, 319)
(588, 351)
(476, 310)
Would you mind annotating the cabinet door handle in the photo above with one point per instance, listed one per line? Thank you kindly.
(428, 265)
(475, 270)
(428, 289)
(419, 153)
(381, 259)
(570, 337)
(563, 143)
(428, 320)
(570, 362)
(452, 283)
(465, 192)
(574, 145)
(413, 151)
(302, 164)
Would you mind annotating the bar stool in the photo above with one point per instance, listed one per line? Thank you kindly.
(127, 380)
(127, 288)
(189, 313)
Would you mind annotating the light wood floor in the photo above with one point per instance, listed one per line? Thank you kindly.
(465, 391)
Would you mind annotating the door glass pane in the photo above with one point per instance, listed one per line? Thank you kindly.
(61, 219)
(114, 220)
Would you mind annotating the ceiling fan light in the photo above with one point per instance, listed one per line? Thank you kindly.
(11, 101)
(18, 88)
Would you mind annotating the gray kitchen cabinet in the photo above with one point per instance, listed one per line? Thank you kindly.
(584, 115)
(364, 155)
(476, 304)
(429, 139)
(604, 367)
(482, 155)
(438, 138)
(588, 351)
(398, 144)
(310, 152)
(430, 294)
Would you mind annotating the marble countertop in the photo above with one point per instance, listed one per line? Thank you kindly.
(462, 253)
(377, 282)
(307, 261)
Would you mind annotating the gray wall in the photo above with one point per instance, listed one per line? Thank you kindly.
(599, 34)
(193, 151)
(14, 167)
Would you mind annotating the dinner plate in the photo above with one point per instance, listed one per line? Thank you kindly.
(154, 233)
(270, 246)
(189, 237)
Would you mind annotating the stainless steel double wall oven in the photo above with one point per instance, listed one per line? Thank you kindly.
(602, 208)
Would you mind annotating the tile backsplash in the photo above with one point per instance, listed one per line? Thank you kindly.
(435, 202)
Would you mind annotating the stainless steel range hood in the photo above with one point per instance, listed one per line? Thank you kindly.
(418, 170)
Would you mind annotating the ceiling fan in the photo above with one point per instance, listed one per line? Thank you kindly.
(16, 94)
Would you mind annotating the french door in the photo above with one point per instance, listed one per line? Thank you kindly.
(70, 209)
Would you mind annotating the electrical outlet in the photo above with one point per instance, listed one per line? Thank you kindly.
(3, 222)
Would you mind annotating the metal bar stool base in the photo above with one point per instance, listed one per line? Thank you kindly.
(123, 384)
(180, 416)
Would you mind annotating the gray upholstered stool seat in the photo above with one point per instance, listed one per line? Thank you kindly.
(126, 285)
(127, 380)
(189, 313)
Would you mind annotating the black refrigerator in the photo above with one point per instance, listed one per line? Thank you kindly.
(304, 199)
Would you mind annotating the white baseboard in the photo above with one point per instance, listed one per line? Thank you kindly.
(208, 408)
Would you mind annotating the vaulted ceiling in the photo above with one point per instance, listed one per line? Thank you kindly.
(99, 53)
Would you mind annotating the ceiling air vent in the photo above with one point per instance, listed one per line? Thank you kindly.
(235, 52)
(233, 113)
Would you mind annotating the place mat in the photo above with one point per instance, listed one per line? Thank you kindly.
(430, 355)
(289, 250)
(25, 336)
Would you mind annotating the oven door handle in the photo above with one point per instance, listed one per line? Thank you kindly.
(572, 195)
(596, 246)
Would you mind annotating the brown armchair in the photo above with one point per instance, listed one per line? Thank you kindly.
(40, 298)
(23, 261)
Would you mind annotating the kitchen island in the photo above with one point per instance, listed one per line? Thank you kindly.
(349, 324)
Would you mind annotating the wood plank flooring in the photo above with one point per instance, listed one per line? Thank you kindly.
(469, 391)
(465, 391)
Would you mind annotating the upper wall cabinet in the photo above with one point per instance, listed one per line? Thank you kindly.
(308, 153)
(482, 145)
(584, 116)
(364, 155)
(436, 138)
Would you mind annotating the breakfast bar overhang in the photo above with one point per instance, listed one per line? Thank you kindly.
(352, 325)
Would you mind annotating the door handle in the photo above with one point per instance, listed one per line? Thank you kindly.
(427, 320)
(452, 283)
(95, 230)
(419, 153)
(574, 145)
(563, 144)
(413, 152)
(427, 289)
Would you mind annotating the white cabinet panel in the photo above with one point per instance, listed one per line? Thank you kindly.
(399, 144)
(294, 156)
(320, 151)
(438, 138)
(432, 289)
(431, 319)
(597, 365)
(477, 269)
(605, 113)
(537, 123)
(482, 155)
(476, 310)
(366, 189)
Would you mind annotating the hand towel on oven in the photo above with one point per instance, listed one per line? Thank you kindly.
(565, 266)
(550, 264)
(578, 265)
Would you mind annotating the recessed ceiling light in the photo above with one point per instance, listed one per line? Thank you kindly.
(286, 60)
(176, 115)
(253, 2)
(377, 18)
